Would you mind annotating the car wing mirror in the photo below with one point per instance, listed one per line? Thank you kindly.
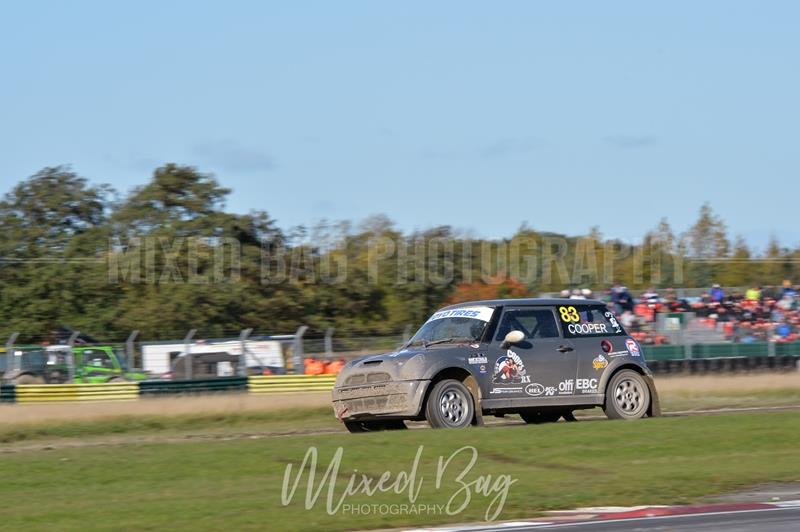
(513, 337)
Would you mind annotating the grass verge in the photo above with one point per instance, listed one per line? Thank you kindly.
(237, 484)
(278, 422)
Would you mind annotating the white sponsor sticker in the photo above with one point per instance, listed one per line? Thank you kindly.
(534, 389)
(477, 313)
(478, 360)
(587, 328)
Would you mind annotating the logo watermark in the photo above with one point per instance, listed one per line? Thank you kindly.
(462, 490)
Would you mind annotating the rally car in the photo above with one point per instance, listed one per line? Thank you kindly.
(539, 358)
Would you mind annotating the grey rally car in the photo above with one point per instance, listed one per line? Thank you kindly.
(540, 358)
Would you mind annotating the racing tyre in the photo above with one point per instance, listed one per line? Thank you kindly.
(374, 426)
(536, 417)
(627, 396)
(450, 405)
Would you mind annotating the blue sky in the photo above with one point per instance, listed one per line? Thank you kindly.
(480, 115)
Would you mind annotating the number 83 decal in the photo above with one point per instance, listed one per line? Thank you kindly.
(569, 314)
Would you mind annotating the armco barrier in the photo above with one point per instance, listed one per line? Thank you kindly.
(48, 393)
(204, 386)
(718, 365)
(291, 383)
(8, 393)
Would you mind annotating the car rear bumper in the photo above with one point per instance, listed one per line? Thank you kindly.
(391, 399)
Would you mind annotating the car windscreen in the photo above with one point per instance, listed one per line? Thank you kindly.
(468, 323)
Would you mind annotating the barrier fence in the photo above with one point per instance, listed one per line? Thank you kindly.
(290, 383)
(49, 393)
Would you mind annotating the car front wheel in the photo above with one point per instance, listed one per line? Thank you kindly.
(627, 396)
(450, 405)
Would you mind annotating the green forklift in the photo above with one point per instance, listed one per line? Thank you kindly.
(60, 364)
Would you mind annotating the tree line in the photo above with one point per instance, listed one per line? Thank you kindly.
(168, 257)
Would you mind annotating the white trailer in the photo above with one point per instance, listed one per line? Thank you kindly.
(258, 353)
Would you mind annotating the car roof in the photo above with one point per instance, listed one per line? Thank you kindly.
(527, 301)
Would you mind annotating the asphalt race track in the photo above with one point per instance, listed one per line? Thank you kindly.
(763, 517)
(772, 519)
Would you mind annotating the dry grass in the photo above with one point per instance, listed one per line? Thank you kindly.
(167, 406)
(713, 384)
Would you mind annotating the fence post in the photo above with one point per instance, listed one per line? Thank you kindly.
(243, 336)
(329, 343)
(71, 355)
(187, 353)
(11, 359)
(297, 351)
(129, 349)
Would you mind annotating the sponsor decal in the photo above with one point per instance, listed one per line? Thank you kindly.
(474, 346)
(478, 313)
(509, 369)
(615, 354)
(534, 389)
(587, 328)
(550, 390)
(497, 391)
(482, 369)
(569, 386)
(480, 359)
(586, 385)
(613, 321)
(600, 362)
(632, 347)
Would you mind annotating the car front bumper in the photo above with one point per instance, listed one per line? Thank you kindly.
(390, 399)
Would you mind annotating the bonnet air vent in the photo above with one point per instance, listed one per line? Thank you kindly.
(372, 362)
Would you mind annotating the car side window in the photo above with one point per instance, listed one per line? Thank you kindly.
(584, 320)
(534, 322)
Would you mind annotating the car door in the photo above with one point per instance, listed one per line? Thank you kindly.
(597, 337)
(529, 373)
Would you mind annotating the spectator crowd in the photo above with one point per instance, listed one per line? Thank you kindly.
(759, 313)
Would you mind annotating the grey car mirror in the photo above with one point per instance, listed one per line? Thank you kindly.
(513, 337)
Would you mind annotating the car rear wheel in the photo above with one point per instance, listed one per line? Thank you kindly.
(450, 405)
(374, 426)
(627, 396)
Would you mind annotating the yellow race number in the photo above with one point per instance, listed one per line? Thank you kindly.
(569, 314)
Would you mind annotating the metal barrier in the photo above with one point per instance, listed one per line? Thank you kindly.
(48, 393)
(8, 393)
(204, 386)
(290, 383)
(720, 350)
